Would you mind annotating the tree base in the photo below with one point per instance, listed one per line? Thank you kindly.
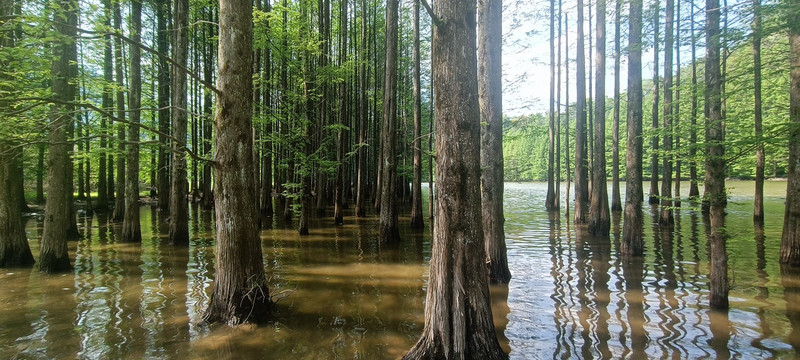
(246, 306)
(49, 263)
(16, 258)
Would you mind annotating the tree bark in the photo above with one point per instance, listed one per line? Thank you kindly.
(790, 239)
(550, 200)
(581, 161)
(758, 196)
(108, 104)
(163, 172)
(694, 191)
(654, 137)
(388, 212)
(131, 228)
(53, 255)
(458, 315)
(240, 292)
(178, 207)
(14, 248)
(490, 100)
(666, 218)
(616, 201)
(599, 217)
(207, 200)
(676, 119)
(417, 221)
(632, 238)
(119, 198)
(715, 161)
(343, 117)
(362, 173)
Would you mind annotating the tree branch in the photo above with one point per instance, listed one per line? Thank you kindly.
(434, 18)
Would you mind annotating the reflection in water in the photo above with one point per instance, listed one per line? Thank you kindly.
(341, 295)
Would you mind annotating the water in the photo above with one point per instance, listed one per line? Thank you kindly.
(340, 295)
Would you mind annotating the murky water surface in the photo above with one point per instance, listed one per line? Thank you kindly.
(340, 295)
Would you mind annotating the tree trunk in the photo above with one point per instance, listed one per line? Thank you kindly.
(581, 161)
(654, 138)
(14, 248)
(666, 218)
(616, 201)
(341, 169)
(163, 172)
(558, 112)
(178, 207)
(53, 254)
(363, 106)
(240, 292)
(790, 240)
(599, 217)
(490, 99)
(207, 200)
(632, 239)
(715, 162)
(131, 228)
(458, 315)
(758, 197)
(108, 104)
(566, 117)
(417, 221)
(694, 191)
(119, 198)
(388, 213)
(676, 119)
(550, 199)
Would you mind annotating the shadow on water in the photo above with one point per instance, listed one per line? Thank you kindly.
(341, 294)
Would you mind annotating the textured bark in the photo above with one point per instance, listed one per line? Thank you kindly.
(14, 248)
(490, 100)
(162, 40)
(458, 315)
(119, 189)
(267, 210)
(550, 201)
(566, 117)
(207, 200)
(653, 197)
(343, 118)
(53, 255)
(790, 240)
(581, 161)
(758, 196)
(694, 191)
(676, 119)
(363, 106)
(715, 162)
(666, 218)
(179, 190)
(632, 241)
(108, 104)
(131, 228)
(388, 204)
(558, 112)
(616, 199)
(240, 292)
(599, 217)
(417, 221)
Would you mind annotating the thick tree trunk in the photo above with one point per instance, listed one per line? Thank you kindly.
(131, 228)
(653, 197)
(53, 255)
(666, 218)
(758, 197)
(599, 217)
(388, 213)
(458, 315)
(632, 238)
(715, 162)
(178, 207)
(119, 198)
(616, 199)
(14, 248)
(163, 172)
(490, 100)
(240, 292)
(790, 240)
(417, 221)
(581, 161)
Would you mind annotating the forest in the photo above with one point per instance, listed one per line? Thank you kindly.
(260, 156)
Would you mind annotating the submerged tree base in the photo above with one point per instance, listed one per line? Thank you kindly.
(251, 305)
(49, 263)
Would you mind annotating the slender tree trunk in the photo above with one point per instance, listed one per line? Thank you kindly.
(790, 240)
(310, 88)
(388, 213)
(581, 161)
(616, 201)
(341, 170)
(53, 255)
(208, 76)
(417, 221)
(758, 197)
(715, 161)
(267, 209)
(40, 174)
(666, 218)
(362, 173)
(632, 238)
(119, 198)
(558, 112)
(550, 199)
(108, 104)
(240, 292)
(131, 227)
(162, 38)
(676, 118)
(458, 315)
(490, 100)
(566, 117)
(178, 207)
(599, 217)
(694, 191)
(656, 82)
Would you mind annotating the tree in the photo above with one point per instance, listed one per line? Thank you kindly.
(178, 208)
(581, 171)
(550, 199)
(388, 205)
(599, 217)
(790, 239)
(343, 117)
(616, 201)
(240, 292)
(694, 191)
(458, 315)
(131, 227)
(632, 238)
(119, 199)
(654, 137)
(53, 255)
(666, 218)
(715, 161)
(758, 196)
(162, 39)
(105, 120)
(417, 221)
(490, 100)
(363, 107)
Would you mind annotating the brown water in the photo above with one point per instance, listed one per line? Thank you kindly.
(340, 295)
